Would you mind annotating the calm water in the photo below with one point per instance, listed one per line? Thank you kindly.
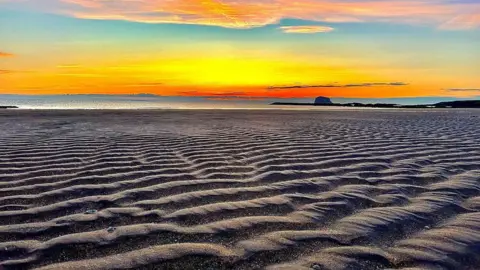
(158, 102)
(122, 102)
(138, 102)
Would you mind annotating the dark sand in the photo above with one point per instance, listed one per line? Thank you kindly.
(366, 189)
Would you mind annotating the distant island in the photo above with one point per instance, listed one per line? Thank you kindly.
(324, 101)
(8, 107)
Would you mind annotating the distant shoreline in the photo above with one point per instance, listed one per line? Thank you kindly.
(469, 104)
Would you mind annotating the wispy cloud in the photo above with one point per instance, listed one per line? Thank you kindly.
(308, 29)
(234, 98)
(214, 94)
(5, 54)
(446, 14)
(339, 85)
(463, 21)
(223, 95)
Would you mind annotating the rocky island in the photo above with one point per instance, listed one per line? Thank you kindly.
(322, 101)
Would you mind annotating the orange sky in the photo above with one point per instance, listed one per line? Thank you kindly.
(251, 48)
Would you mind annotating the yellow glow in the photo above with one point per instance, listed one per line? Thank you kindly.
(226, 71)
(236, 71)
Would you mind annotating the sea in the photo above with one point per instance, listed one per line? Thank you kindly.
(147, 101)
(122, 102)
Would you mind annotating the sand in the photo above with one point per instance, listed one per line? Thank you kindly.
(355, 189)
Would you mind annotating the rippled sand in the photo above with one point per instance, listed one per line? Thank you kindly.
(240, 189)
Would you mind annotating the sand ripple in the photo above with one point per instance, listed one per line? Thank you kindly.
(240, 190)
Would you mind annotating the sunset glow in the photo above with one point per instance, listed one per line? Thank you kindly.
(266, 48)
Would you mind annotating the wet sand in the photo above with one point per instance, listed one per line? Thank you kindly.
(366, 189)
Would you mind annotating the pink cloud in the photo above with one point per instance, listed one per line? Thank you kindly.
(466, 21)
(254, 13)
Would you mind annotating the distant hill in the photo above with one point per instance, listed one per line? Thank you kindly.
(460, 104)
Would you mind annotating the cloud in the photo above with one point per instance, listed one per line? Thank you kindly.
(464, 21)
(339, 85)
(376, 84)
(6, 71)
(214, 94)
(446, 14)
(234, 98)
(4, 54)
(223, 95)
(308, 29)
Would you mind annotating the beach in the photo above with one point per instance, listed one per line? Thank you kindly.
(240, 189)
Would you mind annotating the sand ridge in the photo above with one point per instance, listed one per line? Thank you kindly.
(240, 189)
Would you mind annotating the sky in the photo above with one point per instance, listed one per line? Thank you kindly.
(225, 49)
